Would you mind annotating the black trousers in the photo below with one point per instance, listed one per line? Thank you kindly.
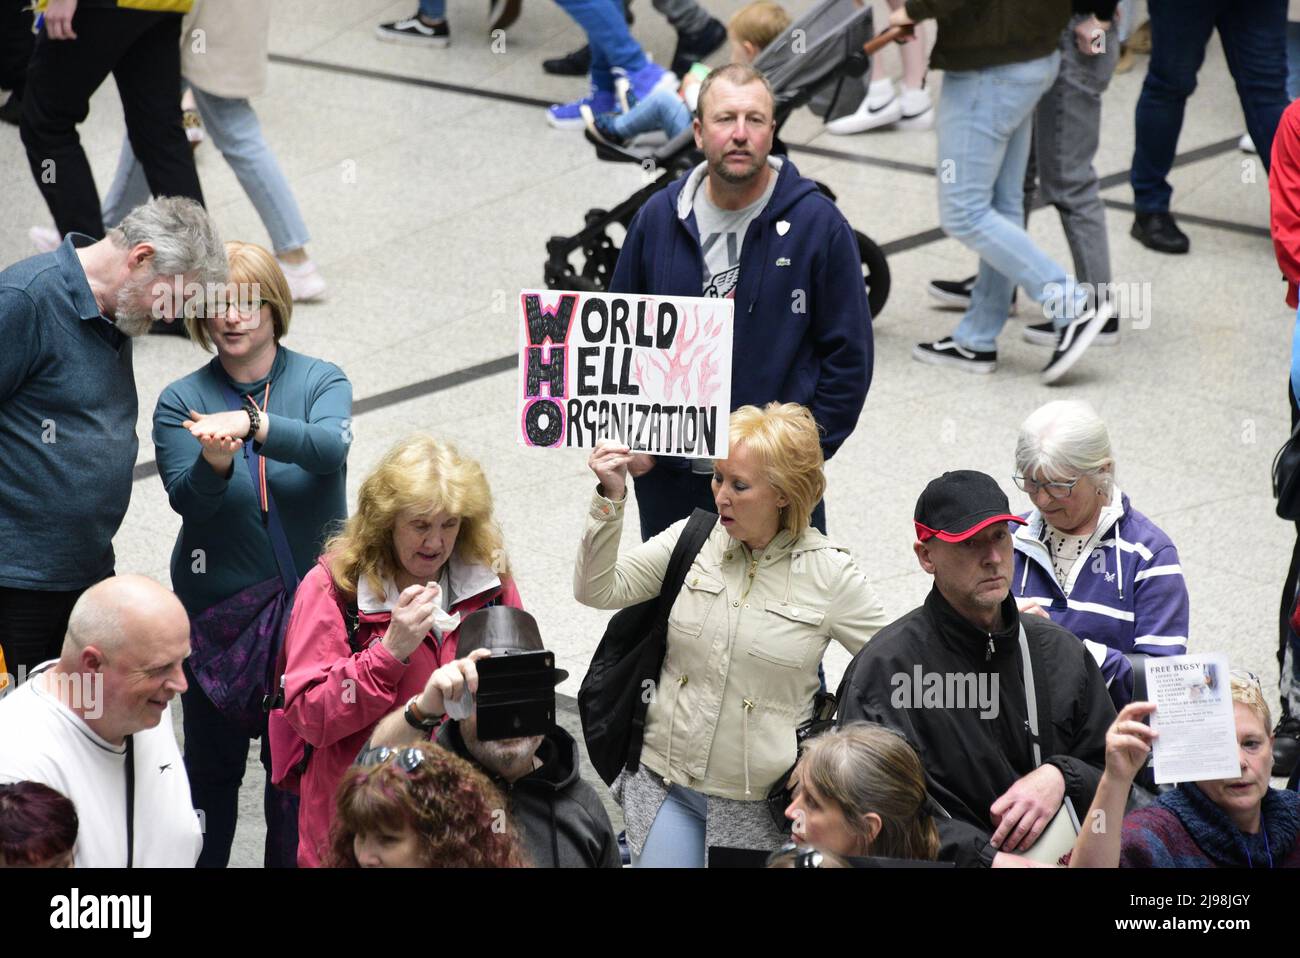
(32, 625)
(142, 52)
(16, 42)
(216, 756)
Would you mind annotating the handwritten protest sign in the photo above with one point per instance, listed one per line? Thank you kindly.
(651, 372)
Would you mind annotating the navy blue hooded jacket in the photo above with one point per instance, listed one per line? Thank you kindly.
(803, 326)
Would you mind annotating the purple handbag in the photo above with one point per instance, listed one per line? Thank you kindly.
(232, 650)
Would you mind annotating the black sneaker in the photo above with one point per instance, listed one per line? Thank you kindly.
(1044, 334)
(952, 292)
(415, 31)
(1159, 232)
(502, 13)
(947, 353)
(12, 110)
(956, 292)
(1286, 746)
(694, 47)
(1073, 340)
(575, 64)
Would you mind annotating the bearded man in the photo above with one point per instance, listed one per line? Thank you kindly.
(68, 406)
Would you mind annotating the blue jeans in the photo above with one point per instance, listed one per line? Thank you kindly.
(661, 110)
(434, 9)
(676, 839)
(234, 129)
(1253, 33)
(985, 128)
(611, 42)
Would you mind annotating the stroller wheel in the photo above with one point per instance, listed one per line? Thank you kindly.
(875, 273)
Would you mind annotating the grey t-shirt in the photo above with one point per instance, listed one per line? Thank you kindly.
(722, 233)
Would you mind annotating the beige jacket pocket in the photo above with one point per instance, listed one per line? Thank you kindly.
(790, 634)
(694, 603)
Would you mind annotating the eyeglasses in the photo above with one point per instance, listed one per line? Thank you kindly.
(408, 759)
(1055, 490)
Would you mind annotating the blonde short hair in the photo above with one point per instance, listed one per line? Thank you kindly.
(1250, 694)
(758, 23)
(787, 444)
(251, 265)
(429, 476)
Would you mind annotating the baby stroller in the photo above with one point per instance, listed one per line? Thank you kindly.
(817, 61)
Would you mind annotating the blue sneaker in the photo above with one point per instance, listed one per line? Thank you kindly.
(568, 116)
(641, 83)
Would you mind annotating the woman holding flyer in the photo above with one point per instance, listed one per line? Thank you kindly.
(760, 603)
(1229, 823)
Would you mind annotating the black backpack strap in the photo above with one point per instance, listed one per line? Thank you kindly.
(688, 546)
(689, 543)
(351, 622)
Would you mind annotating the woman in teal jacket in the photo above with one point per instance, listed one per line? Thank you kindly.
(293, 416)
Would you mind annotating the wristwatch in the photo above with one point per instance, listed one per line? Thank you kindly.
(417, 719)
(254, 418)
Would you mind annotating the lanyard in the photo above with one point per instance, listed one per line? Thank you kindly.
(262, 493)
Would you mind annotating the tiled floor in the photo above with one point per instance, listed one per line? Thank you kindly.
(430, 209)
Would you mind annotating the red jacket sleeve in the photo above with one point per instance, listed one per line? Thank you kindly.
(1284, 198)
(331, 693)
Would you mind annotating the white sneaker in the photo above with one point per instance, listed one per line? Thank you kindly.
(917, 108)
(1246, 144)
(45, 239)
(305, 283)
(880, 108)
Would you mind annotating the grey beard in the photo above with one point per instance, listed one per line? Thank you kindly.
(507, 754)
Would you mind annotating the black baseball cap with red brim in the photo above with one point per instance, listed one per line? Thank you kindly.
(959, 504)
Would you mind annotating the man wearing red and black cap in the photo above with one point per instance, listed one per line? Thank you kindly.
(949, 677)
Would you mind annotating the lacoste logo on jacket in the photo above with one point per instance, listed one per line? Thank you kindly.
(782, 261)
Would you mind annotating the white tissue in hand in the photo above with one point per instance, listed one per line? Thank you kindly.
(443, 621)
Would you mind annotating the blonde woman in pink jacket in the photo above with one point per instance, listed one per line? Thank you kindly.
(380, 611)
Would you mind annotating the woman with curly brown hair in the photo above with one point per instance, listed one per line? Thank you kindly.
(420, 807)
(860, 790)
(380, 611)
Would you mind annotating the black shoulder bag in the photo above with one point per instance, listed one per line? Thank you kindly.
(614, 696)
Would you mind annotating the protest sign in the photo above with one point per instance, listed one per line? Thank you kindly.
(1198, 733)
(650, 372)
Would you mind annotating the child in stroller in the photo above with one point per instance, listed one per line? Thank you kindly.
(753, 27)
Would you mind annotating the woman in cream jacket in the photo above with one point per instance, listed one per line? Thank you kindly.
(765, 596)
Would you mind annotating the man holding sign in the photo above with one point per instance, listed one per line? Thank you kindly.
(747, 227)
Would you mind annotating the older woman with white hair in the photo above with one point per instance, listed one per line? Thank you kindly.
(1086, 558)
